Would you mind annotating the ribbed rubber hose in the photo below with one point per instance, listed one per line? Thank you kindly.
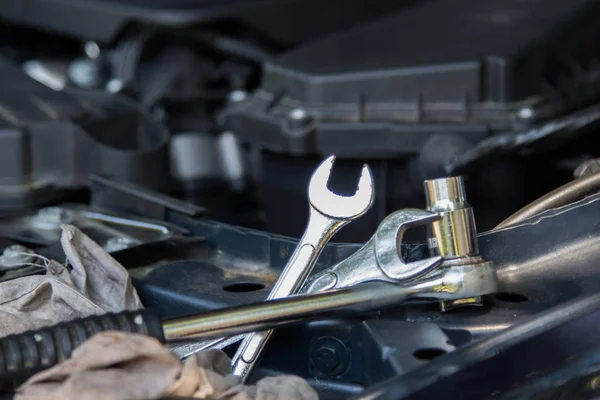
(27, 353)
(564, 195)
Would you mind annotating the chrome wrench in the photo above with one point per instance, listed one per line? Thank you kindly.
(379, 259)
(329, 212)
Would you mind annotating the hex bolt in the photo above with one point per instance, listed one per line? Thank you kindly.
(329, 356)
(298, 118)
(85, 73)
(298, 114)
(92, 50)
(237, 96)
(526, 113)
(15, 256)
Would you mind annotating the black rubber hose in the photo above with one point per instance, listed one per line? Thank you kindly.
(27, 353)
(564, 195)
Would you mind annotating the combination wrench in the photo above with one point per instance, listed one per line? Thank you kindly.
(329, 212)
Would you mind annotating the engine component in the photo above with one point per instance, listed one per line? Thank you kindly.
(349, 90)
(564, 195)
(111, 231)
(103, 20)
(43, 227)
(514, 363)
(52, 141)
(415, 104)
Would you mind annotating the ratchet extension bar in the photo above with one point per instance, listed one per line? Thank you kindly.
(25, 354)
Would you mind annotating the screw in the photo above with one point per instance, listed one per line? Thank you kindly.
(526, 113)
(85, 73)
(298, 118)
(329, 356)
(298, 114)
(114, 86)
(92, 50)
(13, 257)
(51, 218)
(587, 168)
(237, 96)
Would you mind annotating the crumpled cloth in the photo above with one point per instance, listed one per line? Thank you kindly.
(97, 284)
(123, 366)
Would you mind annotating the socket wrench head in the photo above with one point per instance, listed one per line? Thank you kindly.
(455, 234)
(457, 282)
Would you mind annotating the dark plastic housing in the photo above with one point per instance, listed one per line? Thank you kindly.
(288, 21)
(472, 67)
(54, 140)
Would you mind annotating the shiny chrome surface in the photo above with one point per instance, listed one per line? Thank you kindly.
(459, 282)
(379, 258)
(329, 212)
(454, 235)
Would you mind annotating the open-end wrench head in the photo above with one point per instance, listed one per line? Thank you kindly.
(388, 239)
(333, 205)
(379, 259)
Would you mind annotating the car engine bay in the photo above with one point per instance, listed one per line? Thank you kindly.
(389, 199)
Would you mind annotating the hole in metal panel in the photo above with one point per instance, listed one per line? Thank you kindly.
(511, 297)
(243, 287)
(428, 353)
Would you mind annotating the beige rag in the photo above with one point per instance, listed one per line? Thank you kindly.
(96, 284)
(122, 366)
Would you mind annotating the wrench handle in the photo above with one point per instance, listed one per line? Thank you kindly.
(291, 278)
(248, 353)
(319, 230)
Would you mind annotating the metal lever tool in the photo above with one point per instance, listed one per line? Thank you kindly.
(329, 212)
(379, 259)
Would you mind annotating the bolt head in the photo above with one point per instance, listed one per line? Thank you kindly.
(85, 73)
(114, 86)
(298, 114)
(298, 120)
(329, 357)
(237, 96)
(526, 113)
(92, 50)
